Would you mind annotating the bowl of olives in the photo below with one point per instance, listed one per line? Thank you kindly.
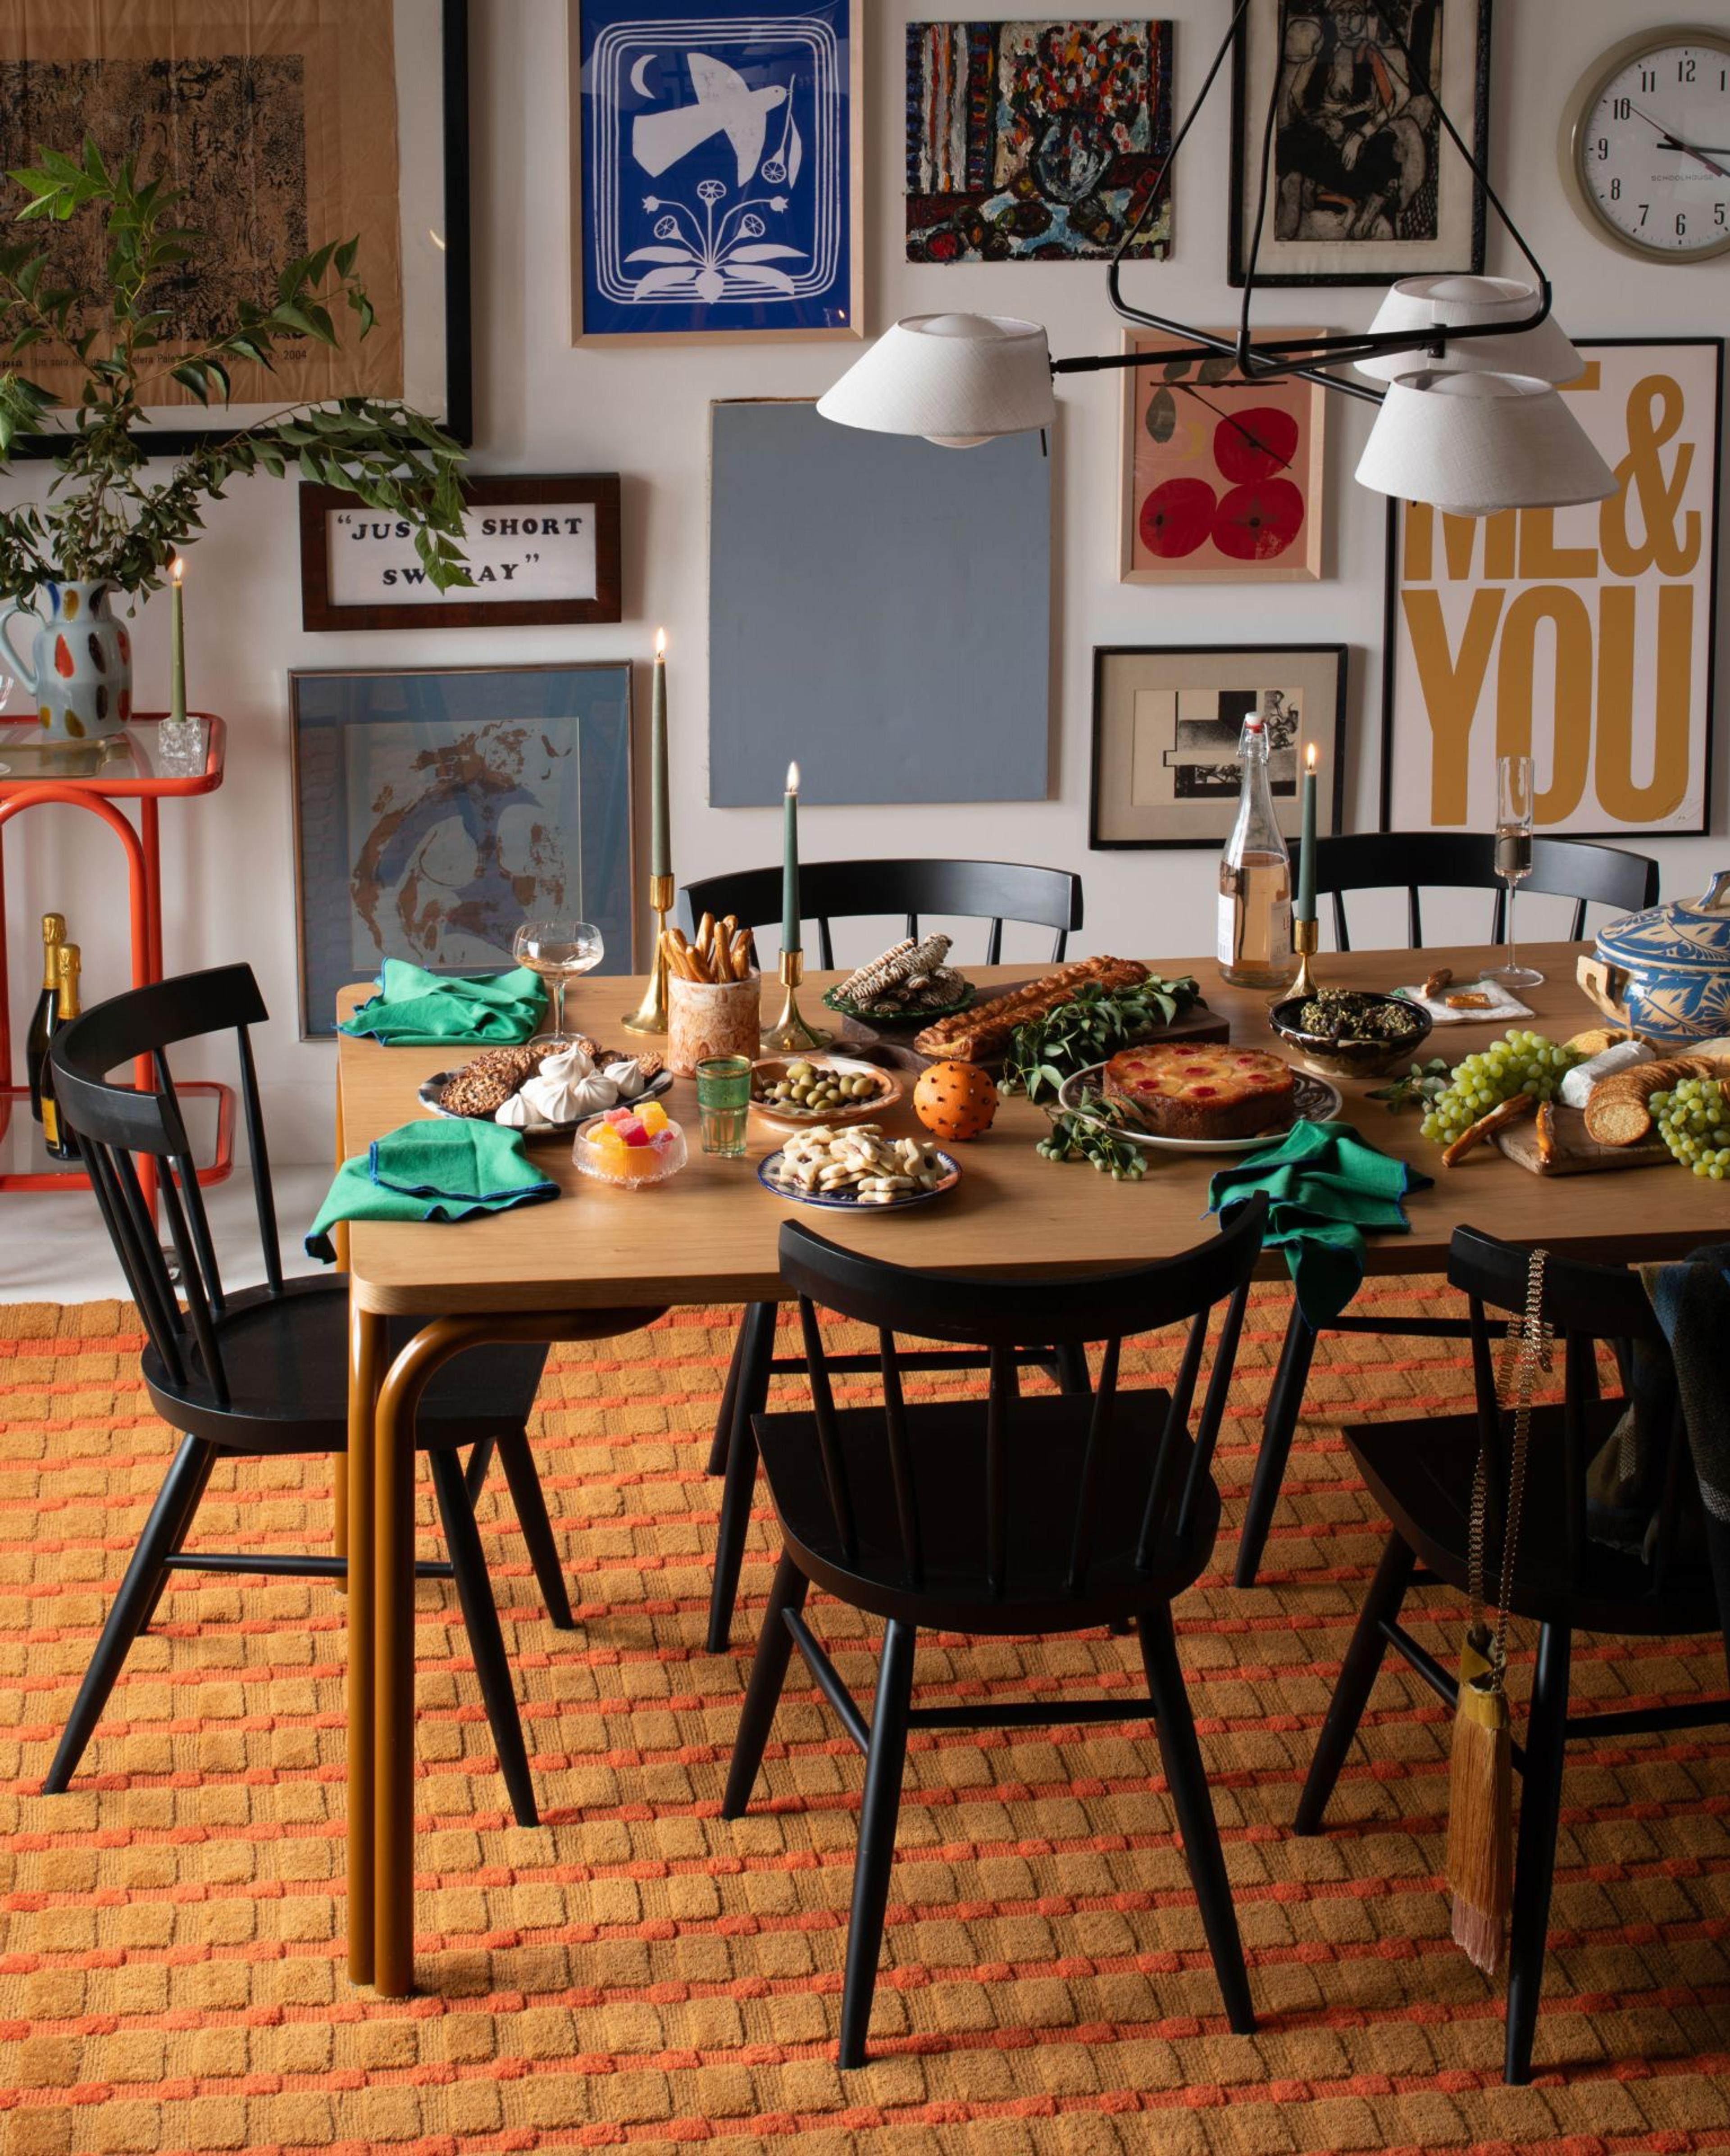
(796, 1091)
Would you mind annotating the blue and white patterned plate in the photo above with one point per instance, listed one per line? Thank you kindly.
(849, 1201)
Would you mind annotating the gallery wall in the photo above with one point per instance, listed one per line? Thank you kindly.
(542, 406)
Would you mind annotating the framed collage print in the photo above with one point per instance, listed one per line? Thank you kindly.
(1221, 479)
(1166, 722)
(717, 169)
(1583, 637)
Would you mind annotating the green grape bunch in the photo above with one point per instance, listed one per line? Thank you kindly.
(1694, 1121)
(1520, 1062)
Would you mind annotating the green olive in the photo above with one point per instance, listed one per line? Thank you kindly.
(799, 1070)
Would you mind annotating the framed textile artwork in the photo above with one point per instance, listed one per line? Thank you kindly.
(435, 811)
(1166, 722)
(879, 608)
(1036, 141)
(1583, 637)
(540, 550)
(1362, 185)
(718, 187)
(286, 125)
(1222, 480)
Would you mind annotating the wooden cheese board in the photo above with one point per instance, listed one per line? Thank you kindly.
(1575, 1153)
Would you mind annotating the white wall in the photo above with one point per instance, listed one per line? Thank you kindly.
(542, 405)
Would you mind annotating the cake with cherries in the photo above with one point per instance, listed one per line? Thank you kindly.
(1203, 1091)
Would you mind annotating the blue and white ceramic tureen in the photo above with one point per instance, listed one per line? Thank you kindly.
(1665, 972)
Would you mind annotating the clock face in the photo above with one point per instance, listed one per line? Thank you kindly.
(1651, 145)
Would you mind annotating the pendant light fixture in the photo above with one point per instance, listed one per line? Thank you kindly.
(1470, 416)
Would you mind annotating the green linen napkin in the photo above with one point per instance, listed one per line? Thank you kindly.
(414, 1008)
(1326, 1188)
(444, 1171)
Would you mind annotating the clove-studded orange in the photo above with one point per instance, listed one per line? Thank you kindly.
(955, 1100)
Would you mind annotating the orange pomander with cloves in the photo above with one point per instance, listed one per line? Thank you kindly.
(955, 1100)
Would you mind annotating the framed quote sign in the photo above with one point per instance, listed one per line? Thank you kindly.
(1583, 637)
(541, 550)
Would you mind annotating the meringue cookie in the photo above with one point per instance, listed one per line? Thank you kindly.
(519, 1113)
(628, 1077)
(565, 1099)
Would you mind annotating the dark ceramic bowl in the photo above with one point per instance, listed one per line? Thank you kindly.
(1350, 1059)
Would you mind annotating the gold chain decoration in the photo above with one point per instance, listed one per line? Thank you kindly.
(1480, 1769)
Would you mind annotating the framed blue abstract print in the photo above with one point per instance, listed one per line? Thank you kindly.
(718, 179)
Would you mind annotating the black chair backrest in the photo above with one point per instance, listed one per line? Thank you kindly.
(1465, 860)
(996, 891)
(1585, 1304)
(114, 1121)
(1063, 1311)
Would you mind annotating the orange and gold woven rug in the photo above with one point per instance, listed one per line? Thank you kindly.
(638, 1971)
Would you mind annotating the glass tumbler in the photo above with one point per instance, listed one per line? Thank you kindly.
(724, 1103)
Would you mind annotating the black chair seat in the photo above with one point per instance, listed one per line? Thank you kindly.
(1046, 1443)
(285, 1356)
(1421, 1473)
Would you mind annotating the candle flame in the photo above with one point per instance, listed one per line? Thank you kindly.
(1309, 757)
(660, 644)
(179, 569)
(792, 779)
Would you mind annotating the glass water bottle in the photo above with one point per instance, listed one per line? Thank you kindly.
(1255, 880)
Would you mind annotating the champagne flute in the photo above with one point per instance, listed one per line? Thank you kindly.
(1513, 859)
(558, 951)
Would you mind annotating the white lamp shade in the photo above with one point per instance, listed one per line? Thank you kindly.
(957, 379)
(1417, 303)
(1474, 443)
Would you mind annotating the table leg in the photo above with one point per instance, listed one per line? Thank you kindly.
(366, 1358)
(149, 838)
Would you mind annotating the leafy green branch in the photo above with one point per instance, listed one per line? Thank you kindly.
(1090, 1026)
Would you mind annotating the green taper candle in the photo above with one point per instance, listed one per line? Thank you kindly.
(177, 630)
(790, 928)
(660, 844)
(1307, 855)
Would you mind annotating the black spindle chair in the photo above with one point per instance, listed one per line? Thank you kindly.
(263, 1370)
(993, 891)
(1420, 1471)
(1051, 1513)
(1379, 860)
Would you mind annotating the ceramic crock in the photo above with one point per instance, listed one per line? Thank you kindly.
(79, 674)
(1665, 972)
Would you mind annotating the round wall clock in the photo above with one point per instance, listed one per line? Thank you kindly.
(1646, 144)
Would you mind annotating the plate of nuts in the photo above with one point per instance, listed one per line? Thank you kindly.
(793, 1091)
(857, 1167)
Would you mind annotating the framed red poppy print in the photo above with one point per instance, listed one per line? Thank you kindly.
(1223, 478)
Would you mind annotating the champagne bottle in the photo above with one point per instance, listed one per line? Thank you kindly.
(61, 1143)
(1255, 879)
(54, 935)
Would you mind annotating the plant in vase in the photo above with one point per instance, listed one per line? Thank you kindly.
(103, 528)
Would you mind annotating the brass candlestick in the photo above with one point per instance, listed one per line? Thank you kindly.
(1303, 942)
(650, 1015)
(790, 1035)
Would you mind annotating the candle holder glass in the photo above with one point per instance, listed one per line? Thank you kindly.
(650, 1015)
(791, 1033)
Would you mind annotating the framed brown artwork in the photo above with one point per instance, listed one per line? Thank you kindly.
(1222, 480)
(540, 550)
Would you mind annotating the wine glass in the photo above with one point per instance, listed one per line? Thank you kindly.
(1513, 859)
(558, 951)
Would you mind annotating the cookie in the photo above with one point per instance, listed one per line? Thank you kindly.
(482, 1087)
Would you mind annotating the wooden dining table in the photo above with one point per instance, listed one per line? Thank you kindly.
(602, 1260)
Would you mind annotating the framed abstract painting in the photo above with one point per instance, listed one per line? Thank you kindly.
(1222, 480)
(1362, 184)
(717, 170)
(436, 810)
(1584, 638)
(1166, 722)
(1037, 141)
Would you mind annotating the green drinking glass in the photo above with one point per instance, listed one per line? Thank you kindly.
(724, 1103)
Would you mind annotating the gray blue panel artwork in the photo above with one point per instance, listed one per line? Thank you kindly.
(435, 812)
(716, 171)
(878, 608)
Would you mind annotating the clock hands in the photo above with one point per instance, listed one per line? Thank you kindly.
(1666, 141)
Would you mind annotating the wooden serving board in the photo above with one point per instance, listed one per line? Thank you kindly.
(856, 1037)
(1576, 1154)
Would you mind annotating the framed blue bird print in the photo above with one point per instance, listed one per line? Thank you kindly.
(718, 181)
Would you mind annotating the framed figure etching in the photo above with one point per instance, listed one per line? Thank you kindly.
(1166, 722)
(1583, 637)
(717, 169)
(1222, 480)
(285, 126)
(1362, 183)
(436, 809)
